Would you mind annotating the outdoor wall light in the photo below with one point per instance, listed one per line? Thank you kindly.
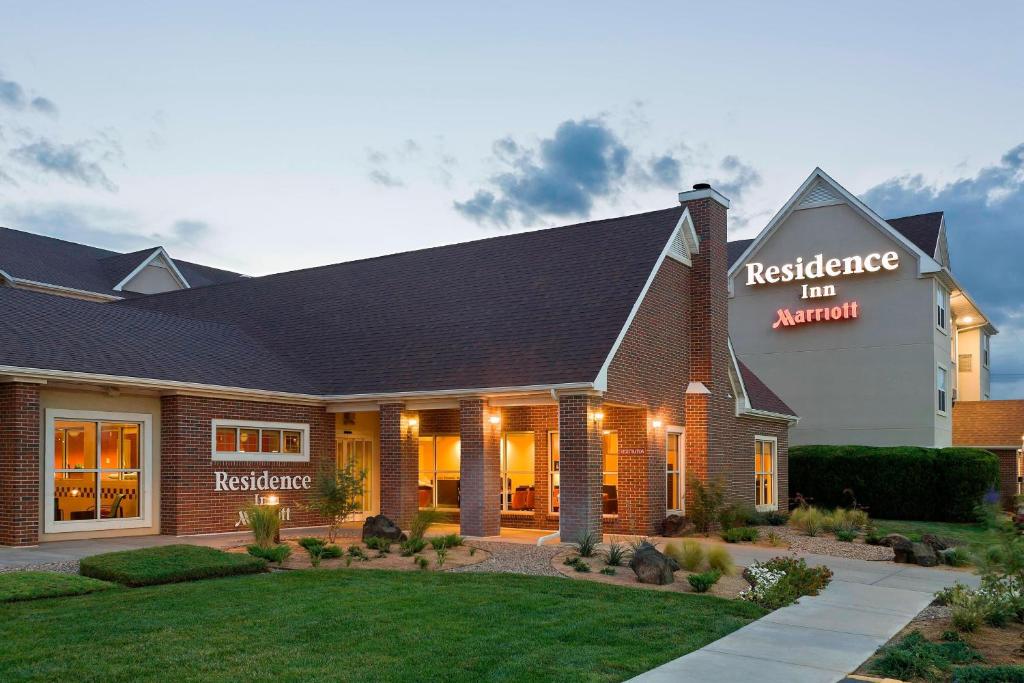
(273, 499)
(967, 319)
(495, 419)
(599, 416)
(656, 424)
(413, 422)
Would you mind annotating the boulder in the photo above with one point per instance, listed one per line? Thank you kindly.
(382, 527)
(893, 540)
(938, 542)
(676, 525)
(923, 554)
(652, 566)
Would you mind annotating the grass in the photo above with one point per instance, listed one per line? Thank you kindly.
(168, 564)
(31, 585)
(974, 535)
(349, 625)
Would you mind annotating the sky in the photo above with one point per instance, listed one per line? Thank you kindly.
(263, 137)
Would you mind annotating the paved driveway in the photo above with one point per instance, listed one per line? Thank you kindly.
(820, 639)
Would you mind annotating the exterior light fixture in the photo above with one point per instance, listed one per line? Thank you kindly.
(495, 419)
(968, 319)
(272, 499)
(599, 416)
(656, 424)
(606, 432)
(413, 422)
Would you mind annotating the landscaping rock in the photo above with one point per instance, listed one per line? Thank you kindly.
(924, 555)
(938, 542)
(382, 527)
(676, 525)
(906, 551)
(945, 555)
(651, 566)
(893, 540)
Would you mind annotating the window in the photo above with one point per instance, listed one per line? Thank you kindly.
(674, 486)
(941, 306)
(609, 472)
(940, 383)
(517, 473)
(440, 462)
(97, 470)
(984, 349)
(239, 440)
(765, 494)
(358, 452)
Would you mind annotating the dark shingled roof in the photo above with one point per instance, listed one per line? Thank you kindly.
(534, 308)
(922, 230)
(761, 397)
(43, 331)
(54, 261)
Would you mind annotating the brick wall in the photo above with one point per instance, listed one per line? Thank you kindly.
(188, 502)
(399, 463)
(579, 438)
(741, 461)
(19, 464)
(480, 487)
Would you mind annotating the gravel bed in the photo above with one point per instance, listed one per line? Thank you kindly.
(514, 558)
(70, 567)
(826, 544)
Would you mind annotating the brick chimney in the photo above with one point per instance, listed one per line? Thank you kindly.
(710, 405)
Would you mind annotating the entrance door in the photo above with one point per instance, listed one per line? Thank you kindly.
(359, 452)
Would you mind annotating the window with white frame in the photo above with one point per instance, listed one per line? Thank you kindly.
(765, 462)
(98, 470)
(984, 349)
(440, 471)
(674, 485)
(518, 492)
(554, 475)
(941, 306)
(251, 441)
(940, 385)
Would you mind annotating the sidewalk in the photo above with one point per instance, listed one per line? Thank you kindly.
(822, 638)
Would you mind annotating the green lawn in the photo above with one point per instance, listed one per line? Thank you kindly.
(168, 564)
(972, 534)
(362, 625)
(30, 585)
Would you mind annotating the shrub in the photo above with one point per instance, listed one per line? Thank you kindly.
(689, 554)
(33, 585)
(448, 541)
(782, 580)
(356, 552)
(707, 500)
(809, 520)
(845, 535)
(577, 563)
(275, 553)
(336, 495)
(896, 482)
(774, 539)
(331, 552)
(914, 657)
(1007, 673)
(776, 518)
(608, 571)
(308, 542)
(741, 534)
(586, 543)
(265, 523)
(381, 545)
(168, 564)
(421, 562)
(412, 546)
(956, 557)
(422, 522)
(720, 559)
(442, 554)
(615, 556)
(701, 583)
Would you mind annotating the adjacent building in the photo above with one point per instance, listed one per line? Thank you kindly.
(570, 378)
(858, 322)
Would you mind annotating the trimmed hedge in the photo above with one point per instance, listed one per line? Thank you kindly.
(168, 564)
(905, 482)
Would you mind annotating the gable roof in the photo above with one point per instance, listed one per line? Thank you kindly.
(760, 396)
(539, 308)
(51, 261)
(988, 424)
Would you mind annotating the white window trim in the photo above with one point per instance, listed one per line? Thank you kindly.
(259, 457)
(50, 525)
(681, 454)
(939, 289)
(945, 369)
(552, 436)
(503, 472)
(434, 471)
(986, 349)
(775, 472)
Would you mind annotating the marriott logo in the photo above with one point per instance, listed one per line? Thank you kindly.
(801, 316)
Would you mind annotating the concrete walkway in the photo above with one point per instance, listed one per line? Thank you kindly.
(822, 638)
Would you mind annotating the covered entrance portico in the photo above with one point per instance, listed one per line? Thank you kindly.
(557, 459)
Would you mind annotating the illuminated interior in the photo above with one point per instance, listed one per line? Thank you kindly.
(673, 471)
(764, 473)
(96, 478)
(439, 472)
(517, 472)
(253, 440)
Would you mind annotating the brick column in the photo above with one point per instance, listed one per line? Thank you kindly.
(19, 464)
(579, 444)
(177, 441)
(399, 463)
(480, 499)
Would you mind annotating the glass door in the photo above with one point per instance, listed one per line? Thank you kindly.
(359, 452)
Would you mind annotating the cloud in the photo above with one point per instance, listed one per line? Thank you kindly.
(985, 224)
(44, 105)
(384, 178)
(666, 170)
(741, 177)
(66, 161)
(188, 232)
(13, 96)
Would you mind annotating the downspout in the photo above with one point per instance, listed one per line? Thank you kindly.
(554, 534)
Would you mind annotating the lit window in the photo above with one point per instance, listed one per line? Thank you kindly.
(610, 473)
(260, 441)
(940, 383)
(554, 479)
(765, 496)
(440, 460)
(941, 306)
(674, 471)
(517, 473)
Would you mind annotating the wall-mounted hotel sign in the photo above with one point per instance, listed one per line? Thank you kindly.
(818, 268)
(261, 482)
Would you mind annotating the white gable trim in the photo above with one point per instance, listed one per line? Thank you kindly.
(926, 263)
(684, 235)
(158, 252)
(601, 382)
(743, 406)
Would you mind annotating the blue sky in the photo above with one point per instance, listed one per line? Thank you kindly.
(265, 137)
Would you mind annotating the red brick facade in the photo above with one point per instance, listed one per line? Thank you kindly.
(399, 464)
(481, 463)
(188, 502)
(998, 427)
(19, 464)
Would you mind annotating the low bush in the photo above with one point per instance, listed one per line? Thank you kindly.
(809, 520)
(586, 544)
(577, 563)
(608, 571)
(422, 522)
(356, 552)
(782, 580)
(421, 562)
(739, 515)
(448, 541)
(442, 554)
(264, 522)
(689, 554)
(382, 545)
(740, 534)
(274, 553)
(956, 557)
(896, 482)
(774, 539)
(846, 536)
(308, 542)
(776, 518)
(1008, 673)
(703, 582)
(720, 559)
(168, 564)
(616, 554)
(331, 552)
(412, 546)
(33, 585)
(914, 657)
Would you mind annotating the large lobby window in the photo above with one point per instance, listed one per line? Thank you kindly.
(95, 471)
(609, 472)
(252, 441)
(674, 471)
(440, 460)
(517, 474)
(765, 461)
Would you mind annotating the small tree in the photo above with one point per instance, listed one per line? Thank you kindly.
(707, 501)
(337, 495)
